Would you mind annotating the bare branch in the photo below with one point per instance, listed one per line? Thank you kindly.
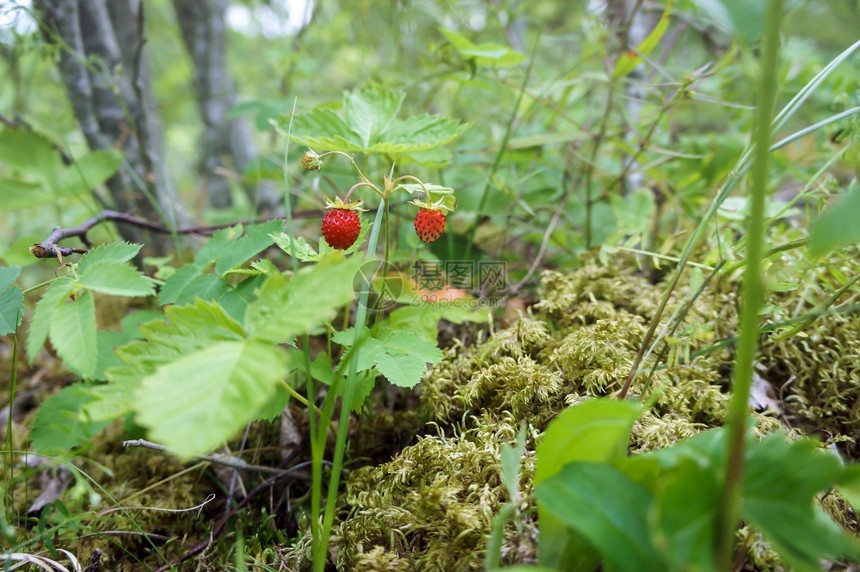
(50, 248)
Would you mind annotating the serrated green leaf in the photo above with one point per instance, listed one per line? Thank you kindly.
(117, 279)
(88, 172)
(405, 356)
(115, 252)
(608, 509)
(371, 110)
(59, 424)
(255, 239)
(197, 402)
(322, 128)
(400, 356)
(370, 126)
(285, 309)
(73, 334)
(298, 246)
(54, 295)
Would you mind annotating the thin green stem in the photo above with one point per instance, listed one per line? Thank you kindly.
(753, 292)
(321, 547)
(473, 229)
(316, 450)
(727, 186)
(299, 397)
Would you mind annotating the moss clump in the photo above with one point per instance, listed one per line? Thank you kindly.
(431, 506)
(818, 375)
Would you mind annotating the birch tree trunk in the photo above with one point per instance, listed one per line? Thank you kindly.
(227, 144)
(105, 77)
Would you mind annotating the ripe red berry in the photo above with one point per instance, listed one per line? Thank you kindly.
(340, 228)
(429, 224)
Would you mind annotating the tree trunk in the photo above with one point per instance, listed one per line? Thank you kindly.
(104, 75)
(227, 144)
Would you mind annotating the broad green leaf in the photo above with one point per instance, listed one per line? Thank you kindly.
(629, 60)
(117, 279)
(15, 194)
(687, 502)
(779, 483)
(180, 331)
(595, 430)
(108, 342)
(213, 247)
(741, 18)
(30, 152)
(369, 125)
(837, 226)
(849, 485)
(285, 309)
(323, 128)
(88, 172)
(175, 286)
(369, 111)
(197, 402)
(255, 239)
(55, 294)
(109, 401)
(11, 309)
(298, 246)
(483, 54)
(115, 252)
(417, 133)
(606, 508)
(8, 275)
(59, 424)
(11, 300)
(73, 334)
(205, 287)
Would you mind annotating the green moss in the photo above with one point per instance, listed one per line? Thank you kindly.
(432, 505)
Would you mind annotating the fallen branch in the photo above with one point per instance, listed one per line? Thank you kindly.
(50, 247)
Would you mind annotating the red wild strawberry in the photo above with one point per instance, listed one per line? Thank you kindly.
(429, 224)
(340, 228)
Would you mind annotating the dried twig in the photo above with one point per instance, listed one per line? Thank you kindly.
(50, 248)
